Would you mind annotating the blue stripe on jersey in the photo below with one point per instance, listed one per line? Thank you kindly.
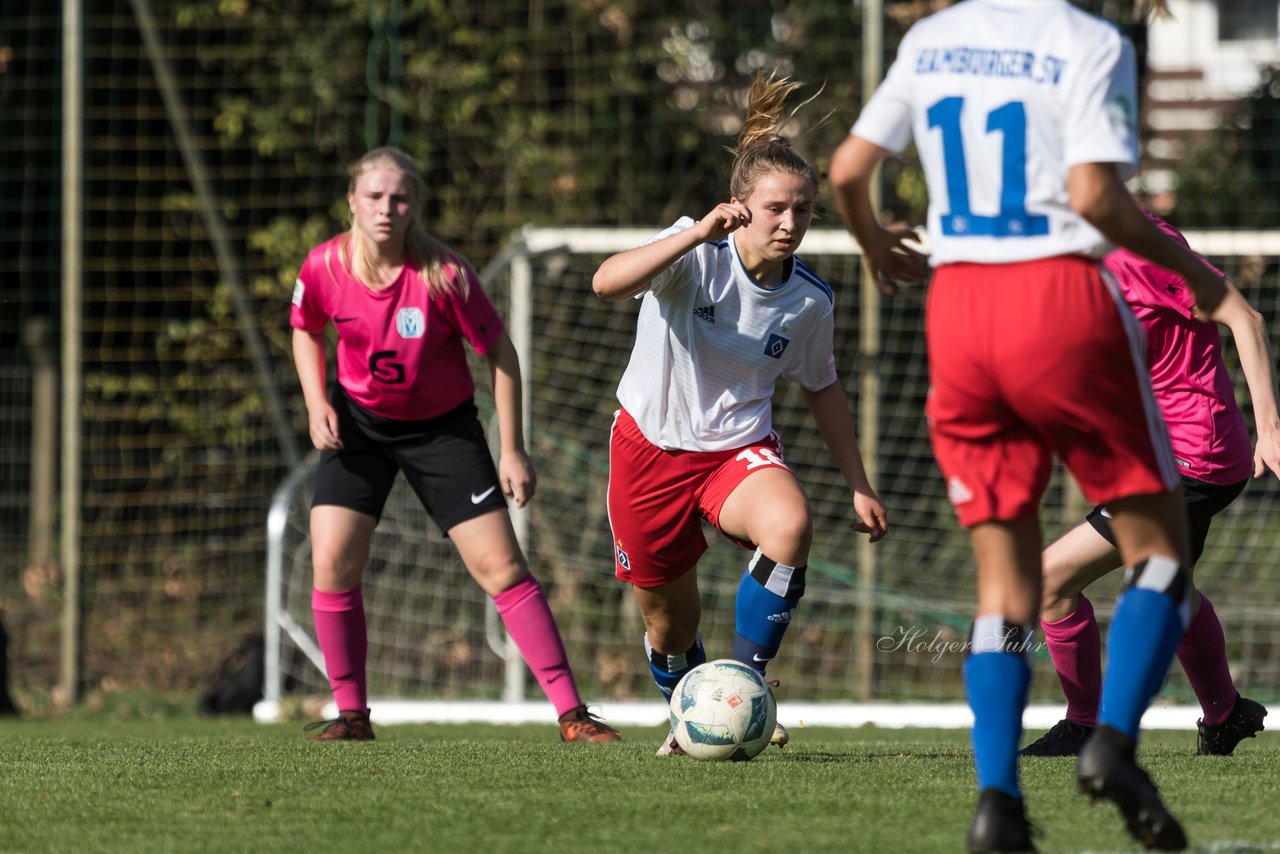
(813, 279)
(721, 244)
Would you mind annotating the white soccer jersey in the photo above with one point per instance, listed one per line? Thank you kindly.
(711, 344)
(1002, 97)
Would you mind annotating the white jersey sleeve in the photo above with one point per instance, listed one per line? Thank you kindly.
(1104, 98)
(684, 269)
(814, 365)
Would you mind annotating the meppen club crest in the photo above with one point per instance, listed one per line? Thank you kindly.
(410, 323)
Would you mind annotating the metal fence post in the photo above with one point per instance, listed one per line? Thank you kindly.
(44, 414)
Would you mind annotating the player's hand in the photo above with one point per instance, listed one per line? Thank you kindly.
(727, 217)
(515, 473)
(894, 260)
(874, 520)
(323, 427)
(1266, 454)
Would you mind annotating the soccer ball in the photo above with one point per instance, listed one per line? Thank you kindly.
(723, 710)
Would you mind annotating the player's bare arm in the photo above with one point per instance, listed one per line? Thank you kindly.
(1249, 331)
(515, 469)
(629, 273)
(322, 421)
(830, 408)
(888, 256)
(1096, 193)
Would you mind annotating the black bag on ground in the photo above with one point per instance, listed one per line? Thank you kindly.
(7, 706)
(239, 682)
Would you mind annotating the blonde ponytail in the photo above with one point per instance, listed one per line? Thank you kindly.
(761, 149)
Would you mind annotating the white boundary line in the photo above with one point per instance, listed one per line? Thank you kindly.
(654, 713)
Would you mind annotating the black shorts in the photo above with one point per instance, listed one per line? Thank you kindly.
(1203, 500)
(445, 459)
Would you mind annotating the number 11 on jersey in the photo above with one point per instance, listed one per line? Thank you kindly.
(1010, 120)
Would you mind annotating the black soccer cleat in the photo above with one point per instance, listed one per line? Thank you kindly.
(1000, 824)
(1245, 721)
(1064, 738)
(1108, 769)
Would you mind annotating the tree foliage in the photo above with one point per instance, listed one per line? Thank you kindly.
(577, 112)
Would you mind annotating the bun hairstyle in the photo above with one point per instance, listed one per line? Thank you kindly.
(761, 149)
(443, 270)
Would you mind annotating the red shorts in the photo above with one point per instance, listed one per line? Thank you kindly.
(1034, 359)
(658, 498)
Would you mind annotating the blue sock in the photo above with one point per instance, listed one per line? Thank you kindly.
(668, 669)
(1148, 623)
(767, 599)
(997, 678)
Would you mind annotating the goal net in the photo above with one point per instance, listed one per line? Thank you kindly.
(880, 624)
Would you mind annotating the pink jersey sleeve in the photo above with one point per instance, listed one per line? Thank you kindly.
(473, 317)
(308, 311)
(1145, 283)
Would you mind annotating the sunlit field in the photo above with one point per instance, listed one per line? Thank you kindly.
(237, 786)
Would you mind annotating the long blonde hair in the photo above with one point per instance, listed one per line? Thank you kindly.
(442, 269)
(761, 149)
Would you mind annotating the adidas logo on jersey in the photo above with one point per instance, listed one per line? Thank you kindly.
(705, 312)
(957, 492)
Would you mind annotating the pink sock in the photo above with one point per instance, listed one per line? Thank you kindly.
(1203, 654)
(1075, 645)
(527, 616)
(340, 629)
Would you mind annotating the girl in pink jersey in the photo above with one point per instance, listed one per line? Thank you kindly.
(403, 304)
(1024, 114)
(727, 309)
(1211, 444)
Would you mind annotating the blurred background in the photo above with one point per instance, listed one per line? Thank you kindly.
(210, 140)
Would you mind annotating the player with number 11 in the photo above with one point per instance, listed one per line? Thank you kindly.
(1024, 113)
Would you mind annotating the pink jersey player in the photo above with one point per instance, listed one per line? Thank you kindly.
(1211, 445)
(1191, 383)
(403, 306)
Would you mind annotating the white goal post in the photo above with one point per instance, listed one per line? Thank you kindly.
(879, 637)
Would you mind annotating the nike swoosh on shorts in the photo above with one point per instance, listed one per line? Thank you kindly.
(476, 499)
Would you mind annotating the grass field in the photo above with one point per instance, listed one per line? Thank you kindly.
(237, 786)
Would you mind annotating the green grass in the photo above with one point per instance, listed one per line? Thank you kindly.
(236, 786)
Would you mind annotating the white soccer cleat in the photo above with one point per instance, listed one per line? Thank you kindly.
(780, 735)
(671, 747)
